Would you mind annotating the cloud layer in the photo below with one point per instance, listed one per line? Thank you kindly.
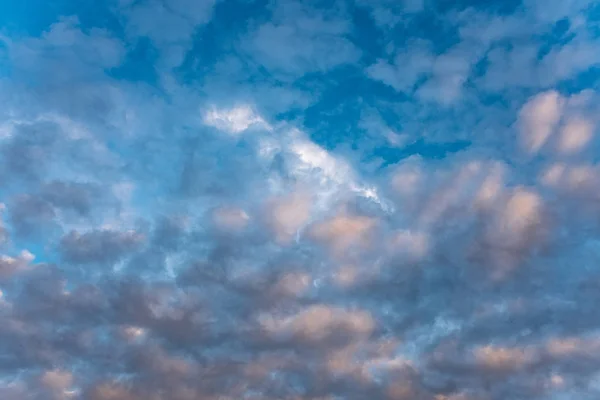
(390, 200)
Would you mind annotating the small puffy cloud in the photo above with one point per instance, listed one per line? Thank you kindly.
(57, 381)
(519, 215)
(285, 48)
(110, 391)
(87, 55)
(319, 322)
(98, 246)
(235, 120)
(575, 135)
(432, 77)
(300, 40)
(75, 196)
(230, 218)
(579, 181)
(410, 64)
(501, 359)
(293, 284)
(169, 26)
(558, 125)
(539, 117)
(342, 232)
(567, 347)
(410, 244)
(568, 61)
(287, 215)
(10, 266)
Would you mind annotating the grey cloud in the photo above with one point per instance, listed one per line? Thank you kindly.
(29, 214)
(478, 282)
(169, 232)
(98, 246)
(4, 235)
(29, 152)
(11, 266)
(76, 196)
(244, 320)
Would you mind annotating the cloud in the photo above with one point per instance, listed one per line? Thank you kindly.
(287, 215)
(10, 266)
(318, 323)
(230, 219)
(392, 200)
(555, 12)
(343, 231)
(170, 25)
(29, 214)
(540, 116)
(410, 65)
(557, 124)
(71, 195)
(387, 13)
(234, 121)
(98, 246)
(88, 55)
(491, 52)
(576, 135)
(300, 40)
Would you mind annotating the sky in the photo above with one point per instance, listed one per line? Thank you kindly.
(299, 200)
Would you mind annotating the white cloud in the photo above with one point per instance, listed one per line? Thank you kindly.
(314, 156)
(575, 135)
(410, 64)
(538, 118)
(235, 120)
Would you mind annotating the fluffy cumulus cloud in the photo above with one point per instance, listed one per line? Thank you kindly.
(300, 200)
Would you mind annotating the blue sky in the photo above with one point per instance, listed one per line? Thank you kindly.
(294, 200)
